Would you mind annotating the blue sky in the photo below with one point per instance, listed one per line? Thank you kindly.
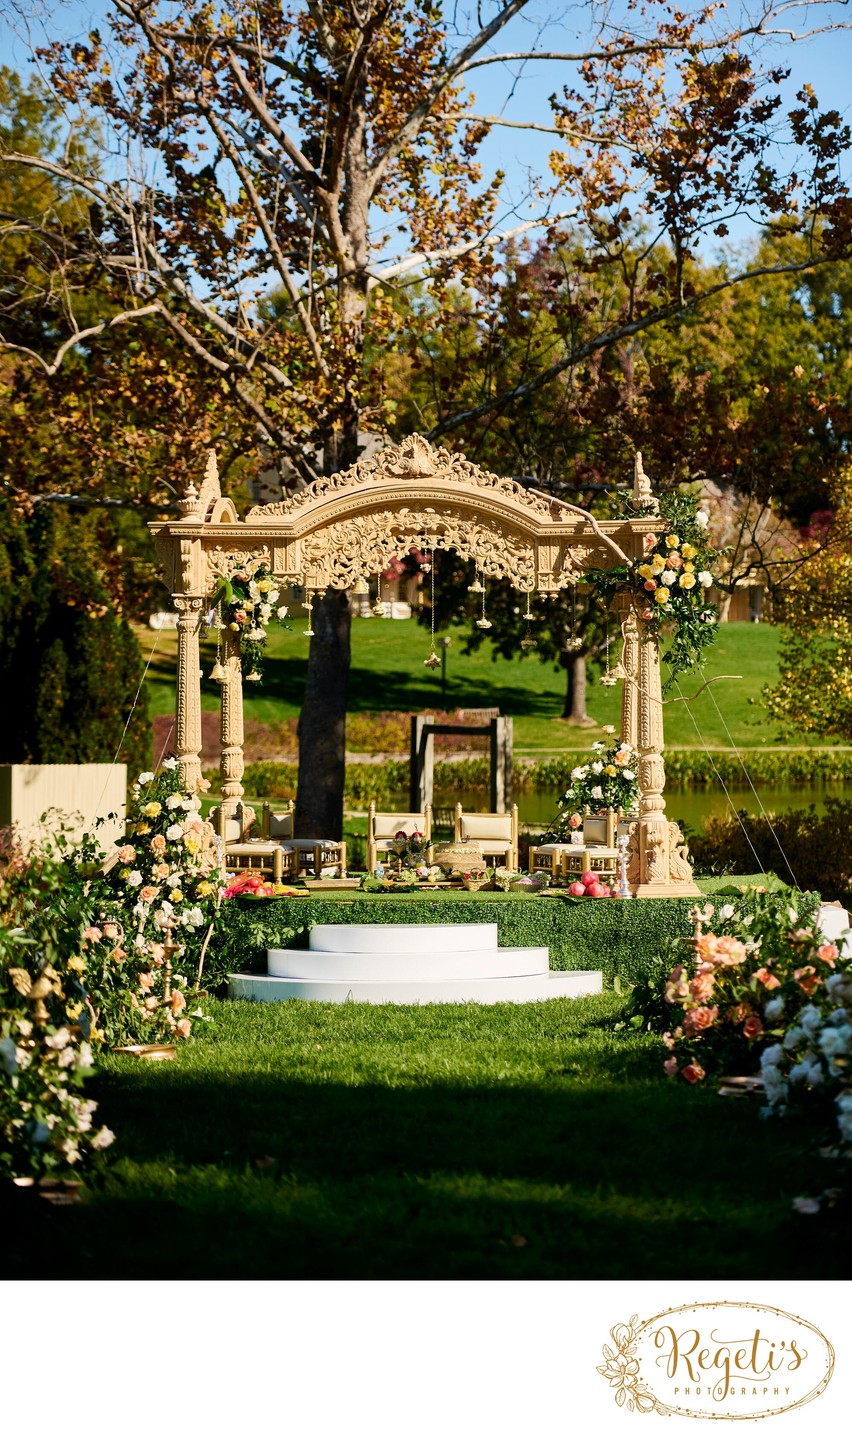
(519, 92)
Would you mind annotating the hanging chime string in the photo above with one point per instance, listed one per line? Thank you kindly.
(753, 790)
(126, 727)
(734, 809)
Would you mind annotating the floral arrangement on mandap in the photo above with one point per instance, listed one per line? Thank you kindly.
(669, 583)
(244, 604)
(610, 780)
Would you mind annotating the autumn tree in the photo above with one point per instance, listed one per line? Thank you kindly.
(291, 145)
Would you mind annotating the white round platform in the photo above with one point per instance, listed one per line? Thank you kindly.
(572, 984)
(387, 964)
(401, 938)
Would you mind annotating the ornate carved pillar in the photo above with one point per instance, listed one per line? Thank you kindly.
(663, 869)
(188, 706)
(630, 666)
(231, 766)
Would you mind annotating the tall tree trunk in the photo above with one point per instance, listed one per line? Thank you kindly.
(575, 692)
(322, 722)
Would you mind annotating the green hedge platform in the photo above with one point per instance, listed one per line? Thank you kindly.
(619, 937)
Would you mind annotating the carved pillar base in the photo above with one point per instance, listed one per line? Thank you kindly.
(660, 868)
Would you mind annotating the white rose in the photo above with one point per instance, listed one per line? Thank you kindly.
(772, 1055)
(134, 879)
(103, 1138)
(599, 747)
(272, 596)
(59, 1040)
(597, 767)
(145, 778)
(282, 611)
(702, 519)
(578, 773)
(193, 802)
(727, 911)
(597, 792)
(705, 579)
(170, 763)
(628, 773)
(174, 831)
(173, 801)
(668, 577)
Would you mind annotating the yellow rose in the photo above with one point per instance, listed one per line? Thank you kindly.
(672, 540)
(152, 810)
(143, 828)
(687, 581)
(611, 770)
(192, 843)
(176, 896)
(646, 571)
(77, 964)
(662, 595)
(73, 1011)
(658, 562)
(688, 568)
(689, 551)
(204, 890)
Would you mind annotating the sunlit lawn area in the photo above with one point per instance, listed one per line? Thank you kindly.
(530, 1141)
(387, 673)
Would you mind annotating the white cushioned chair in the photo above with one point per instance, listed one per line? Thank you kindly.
(382, 829)
(496, 834)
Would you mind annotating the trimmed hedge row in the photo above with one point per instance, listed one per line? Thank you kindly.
(617, 938)
(685, 768)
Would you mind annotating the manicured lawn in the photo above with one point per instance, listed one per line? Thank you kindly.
(387, 673)
(532, 1141)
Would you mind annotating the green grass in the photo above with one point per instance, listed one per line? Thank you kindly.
(387, 673)
(530, 1141)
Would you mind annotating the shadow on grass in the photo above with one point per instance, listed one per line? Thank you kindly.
(286, 1179)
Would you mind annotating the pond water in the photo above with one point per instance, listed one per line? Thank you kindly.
(690, 807)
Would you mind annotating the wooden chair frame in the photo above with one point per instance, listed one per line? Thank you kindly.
(376, 846)
(506, 852)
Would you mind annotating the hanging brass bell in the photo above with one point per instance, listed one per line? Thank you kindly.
(360, 586)
(218, 672)
(433, 661)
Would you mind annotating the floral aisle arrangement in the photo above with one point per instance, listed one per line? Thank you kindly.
(245, 603)
(159, 902)
(749, 980)
(46, 1048)
(609, 780)
(669, 583)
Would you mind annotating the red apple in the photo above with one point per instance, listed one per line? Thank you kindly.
(588, 878)
(577, 890)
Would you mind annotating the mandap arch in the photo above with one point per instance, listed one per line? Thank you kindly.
(349, 526)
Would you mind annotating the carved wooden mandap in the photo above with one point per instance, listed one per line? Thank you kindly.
(349, 526)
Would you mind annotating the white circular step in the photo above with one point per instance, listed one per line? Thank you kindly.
(401, 965)
(396, 938)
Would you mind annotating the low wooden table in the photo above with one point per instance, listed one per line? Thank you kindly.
(271, 855)
(315, 854)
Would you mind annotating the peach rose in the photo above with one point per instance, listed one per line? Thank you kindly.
(768, 980)
(148, 894)
(184, 1028)
(158, 844)
(701, 987)
(151, 1003)
(807, 979)
(670, 1067)
(146, 982)
(828, 953)
(752, 1028)
(126, 853)
(700, 1018)
(693, 1073)
(110, 931)
(178, 1002)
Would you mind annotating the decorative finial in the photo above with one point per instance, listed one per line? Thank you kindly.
(188, 506)
(642, 495)
(211, 469)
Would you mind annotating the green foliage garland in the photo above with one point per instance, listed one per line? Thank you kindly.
(668, 584)
(246, 600)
